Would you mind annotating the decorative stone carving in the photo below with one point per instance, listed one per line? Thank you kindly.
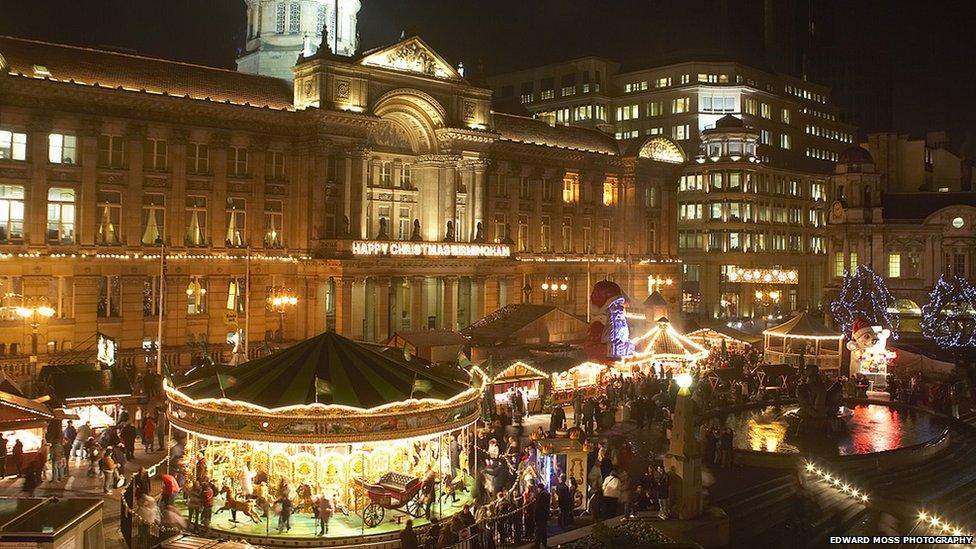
(449, 235)
(415, 235)
(662, 149)
(342, 88)
(383, 234)
(479, 233)
(391, 135)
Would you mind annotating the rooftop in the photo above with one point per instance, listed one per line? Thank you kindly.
(107, 69)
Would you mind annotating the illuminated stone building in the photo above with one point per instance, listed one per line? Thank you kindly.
(751, 236)
(910, 238)
(381, 190)
(796, 122)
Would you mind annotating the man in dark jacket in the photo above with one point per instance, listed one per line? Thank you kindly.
(557, 420)
(408, 538)
(564, 495)
(129, 434)
(542, 501)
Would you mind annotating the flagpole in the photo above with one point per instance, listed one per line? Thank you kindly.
(159, 320)
(247, 301)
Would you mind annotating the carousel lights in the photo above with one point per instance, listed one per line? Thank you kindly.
(316, 409)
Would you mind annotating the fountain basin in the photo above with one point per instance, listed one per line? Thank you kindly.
(870, 430)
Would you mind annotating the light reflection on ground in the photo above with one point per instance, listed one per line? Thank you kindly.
(871, 428)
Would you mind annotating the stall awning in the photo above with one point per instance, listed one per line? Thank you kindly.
(803, 326)
(17, 412)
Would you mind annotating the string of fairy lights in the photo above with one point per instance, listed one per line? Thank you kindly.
(860, 496)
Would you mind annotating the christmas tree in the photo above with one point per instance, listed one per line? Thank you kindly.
(948, 317)
(864, 295)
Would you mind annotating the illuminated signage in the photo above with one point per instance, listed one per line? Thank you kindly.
(430, 249)
(107, 350)
(761, 276)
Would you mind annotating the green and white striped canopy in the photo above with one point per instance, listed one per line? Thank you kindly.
(328, 369)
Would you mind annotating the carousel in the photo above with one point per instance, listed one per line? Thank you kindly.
(662, 350)
(803, 340)
(328, 418)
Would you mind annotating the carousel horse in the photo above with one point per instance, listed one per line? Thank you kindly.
(260, 498)
(453, 485)
(234, 505)
(306, 503)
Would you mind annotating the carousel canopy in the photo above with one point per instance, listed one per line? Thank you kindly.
(328, 369)
(663, 340)
(803, 326)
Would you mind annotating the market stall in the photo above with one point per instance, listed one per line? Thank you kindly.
(23, 420)
(661, 350)
(715, 337)
(564, 455)
(588, 378)
(329, 417)
(804, 340)
(92, 393)
(519, 376)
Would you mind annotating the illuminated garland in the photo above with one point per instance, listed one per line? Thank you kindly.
(865, 295)
(948, 316)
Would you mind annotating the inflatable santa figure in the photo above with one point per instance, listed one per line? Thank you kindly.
(608, 338)
(869, 353)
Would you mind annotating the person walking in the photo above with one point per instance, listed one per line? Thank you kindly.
(108, 469)
(611, 494)
(663, 493)
(82, 434)
(18, 457)
(161, 425)
(564, 496)
(148, 434)
(542, 502)
(58, 465)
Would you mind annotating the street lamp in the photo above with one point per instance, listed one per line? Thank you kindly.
(656, 282)
(767, 299)
(34, 310)
(280, 300)
(553, 286)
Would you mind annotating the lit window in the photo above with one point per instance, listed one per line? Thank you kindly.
(607, 236)
(786, 116)
(62, 149)
(523, 233)
(236, 295)
(568, 90)
(11, 213)
(765, 110)
(526, 97)
(236, 222)
(61, 215)
(610, 192)
(153, 218)
(547, 94)
(655, 108)
(386, 174)
(405, 227)
(109, 217)
(196, 296)
(60, 295)
(109, 297)
(294, 18)
(567, 234)
(784, 141)
(853, 264)
(273, 223)
(13, 146)
(196, 225)
(571, 188)
(894, 265)
(680, 105)
(405, 176)
(628, 112)
(545, 233)
(680, 132)
(662, 82)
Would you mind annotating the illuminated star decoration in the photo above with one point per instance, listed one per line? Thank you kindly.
(865, 295)
(948, 316)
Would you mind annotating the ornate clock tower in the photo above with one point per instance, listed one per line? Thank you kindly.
(279, 31)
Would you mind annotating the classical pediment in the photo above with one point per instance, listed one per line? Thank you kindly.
(411, 55)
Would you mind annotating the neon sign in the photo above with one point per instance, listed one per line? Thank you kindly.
(430, 249)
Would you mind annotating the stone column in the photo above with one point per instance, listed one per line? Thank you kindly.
(477, 298)
(381, 309)
(132, 311)
(132, 196)
(35, 193)
(447, 196)
(85, 306)
(418, 303)
(256, 222)
(358, 324)
(355, 183)
(476, 198)
(449, 319)
(426, 174)
(86, 199)
(343, 305)
(174, 232)
(508, 291)
(218, 206)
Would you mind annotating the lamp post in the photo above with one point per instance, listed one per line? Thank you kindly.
(34, 310)
(552, 287)
(683, 460)
(280, 300)
(767, 299)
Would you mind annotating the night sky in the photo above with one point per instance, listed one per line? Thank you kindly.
(922, 51)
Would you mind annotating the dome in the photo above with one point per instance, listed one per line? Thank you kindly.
(855, 155)
(729, 122)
